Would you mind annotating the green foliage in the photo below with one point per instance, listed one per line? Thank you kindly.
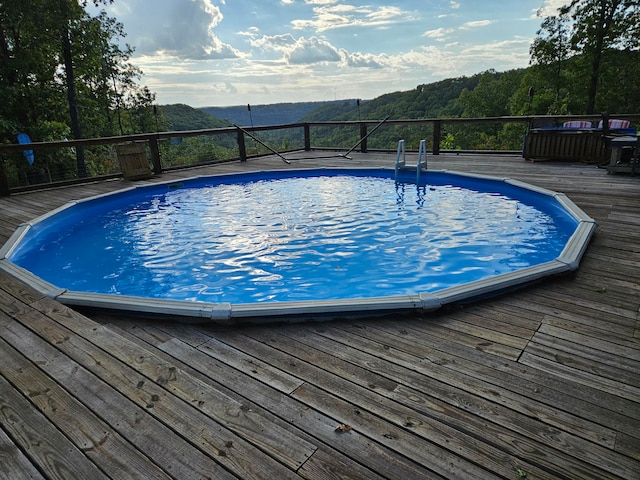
(193, 150)
(492, 95)
(448, 142)
(181, 117)
(65, 74)
(197, 150)
(333, 110)
(28, 62)
(594, 31)
(274, 114)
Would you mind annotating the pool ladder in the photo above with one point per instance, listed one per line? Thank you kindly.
(401, 163)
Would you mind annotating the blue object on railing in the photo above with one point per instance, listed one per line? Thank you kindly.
(24, 139)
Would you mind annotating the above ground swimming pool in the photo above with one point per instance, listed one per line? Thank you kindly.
(298, 244)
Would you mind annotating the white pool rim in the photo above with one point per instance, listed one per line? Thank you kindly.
(227, 313)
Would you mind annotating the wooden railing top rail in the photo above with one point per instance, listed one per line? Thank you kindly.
(152, 139)
(14, 148)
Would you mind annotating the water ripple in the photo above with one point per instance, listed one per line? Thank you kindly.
(303, 239)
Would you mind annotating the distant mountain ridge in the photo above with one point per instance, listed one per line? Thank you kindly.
(517, 92)
(428, 100)
(180, 117)
(273, 114)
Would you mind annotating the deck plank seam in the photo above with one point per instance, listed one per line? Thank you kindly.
(521, 440)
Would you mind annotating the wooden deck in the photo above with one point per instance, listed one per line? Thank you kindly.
(539, 383)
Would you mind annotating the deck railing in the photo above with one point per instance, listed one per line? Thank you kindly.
(55, 162)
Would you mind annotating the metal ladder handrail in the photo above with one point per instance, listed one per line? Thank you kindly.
(401, 160)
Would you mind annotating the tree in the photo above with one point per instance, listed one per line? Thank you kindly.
(60, 67)
(550, 51)
(490, 98)
(64, 19)
(28, 63)
(600, 25)
(70, 16)
(595, 29)
(107, 81)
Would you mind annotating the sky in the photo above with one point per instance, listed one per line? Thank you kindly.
(235, 52)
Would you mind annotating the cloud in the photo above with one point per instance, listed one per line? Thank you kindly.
(549, 8)
(313, 50)
(302, 51)
(330, 16)
(500, 55)
(439, 33)
(454, 5)
(423, 59)
(364, 60)
(184, 29)
(273, 42)
(320, 2)
(476, 24)
(384, 15)
(230, 88)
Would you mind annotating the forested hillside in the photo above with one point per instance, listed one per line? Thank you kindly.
(532, 90)
(541, 89)
(181, 117)
(274, 114)
(432, 100)
(482, 95)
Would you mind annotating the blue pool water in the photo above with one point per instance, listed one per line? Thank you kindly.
(307, 235)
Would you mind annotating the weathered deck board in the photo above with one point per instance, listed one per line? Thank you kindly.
(248, 383)
(516, 384)
(85, 430)
(139, 376)
(542, 381)
(179, 457)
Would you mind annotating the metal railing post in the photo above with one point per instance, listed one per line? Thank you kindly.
(4, 182)
(363, 135)
(155, 155)
(437, 131)
(307, 137)
(242, 148)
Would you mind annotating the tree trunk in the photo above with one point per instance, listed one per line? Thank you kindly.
(72, 94)
(595, 61)
(593, 83)
(72, 97)
(11, 80)
(603, 26)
